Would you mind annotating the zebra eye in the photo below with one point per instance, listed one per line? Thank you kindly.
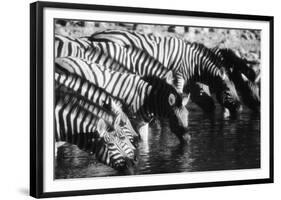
(172, 99)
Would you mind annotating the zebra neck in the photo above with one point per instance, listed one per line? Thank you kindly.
(200, 64)
(153, 105)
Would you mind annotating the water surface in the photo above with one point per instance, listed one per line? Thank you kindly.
(215, 144)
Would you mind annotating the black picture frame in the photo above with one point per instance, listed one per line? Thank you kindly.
(37, 97)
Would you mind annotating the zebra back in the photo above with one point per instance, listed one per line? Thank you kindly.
(193, 60)
(124, 59)
(167, 50)
(133, 59)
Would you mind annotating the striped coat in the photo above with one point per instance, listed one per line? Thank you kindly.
(98, 99)
(145, 98)
(113, 56)
(74, 123)
(191, 62)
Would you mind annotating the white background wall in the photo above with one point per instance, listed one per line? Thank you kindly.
(14, 99)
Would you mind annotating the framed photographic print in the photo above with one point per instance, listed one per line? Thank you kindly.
(130, 99)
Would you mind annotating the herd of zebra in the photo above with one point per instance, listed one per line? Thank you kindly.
(111, 84)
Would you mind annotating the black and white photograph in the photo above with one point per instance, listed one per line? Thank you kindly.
(134, 99)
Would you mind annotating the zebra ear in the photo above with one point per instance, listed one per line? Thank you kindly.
(170, 78)
(185, 99)
(101, 127)
(172, 99)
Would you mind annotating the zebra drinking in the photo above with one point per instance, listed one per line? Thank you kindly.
(97, 99)
(76, 125)
(147, 100)
(243, 76)
(191, 62)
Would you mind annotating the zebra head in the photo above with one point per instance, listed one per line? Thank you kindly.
(112, 150)
(242, 74)
(249, 92)
(233, 63)
(227, 96)
(165, 102)
(126, 134)
(122, 124)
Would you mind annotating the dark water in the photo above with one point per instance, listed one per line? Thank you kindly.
(215, 144)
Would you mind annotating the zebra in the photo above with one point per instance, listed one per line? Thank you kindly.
(248, 90)
(112, 56)
(240, 73)
(97, 98)
(243, 76)
(139, 62)
(123, 131)
(147, 98)
(65, 46)
(192, 62)
(79, 126)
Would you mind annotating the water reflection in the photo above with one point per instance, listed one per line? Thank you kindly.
(216, 144)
